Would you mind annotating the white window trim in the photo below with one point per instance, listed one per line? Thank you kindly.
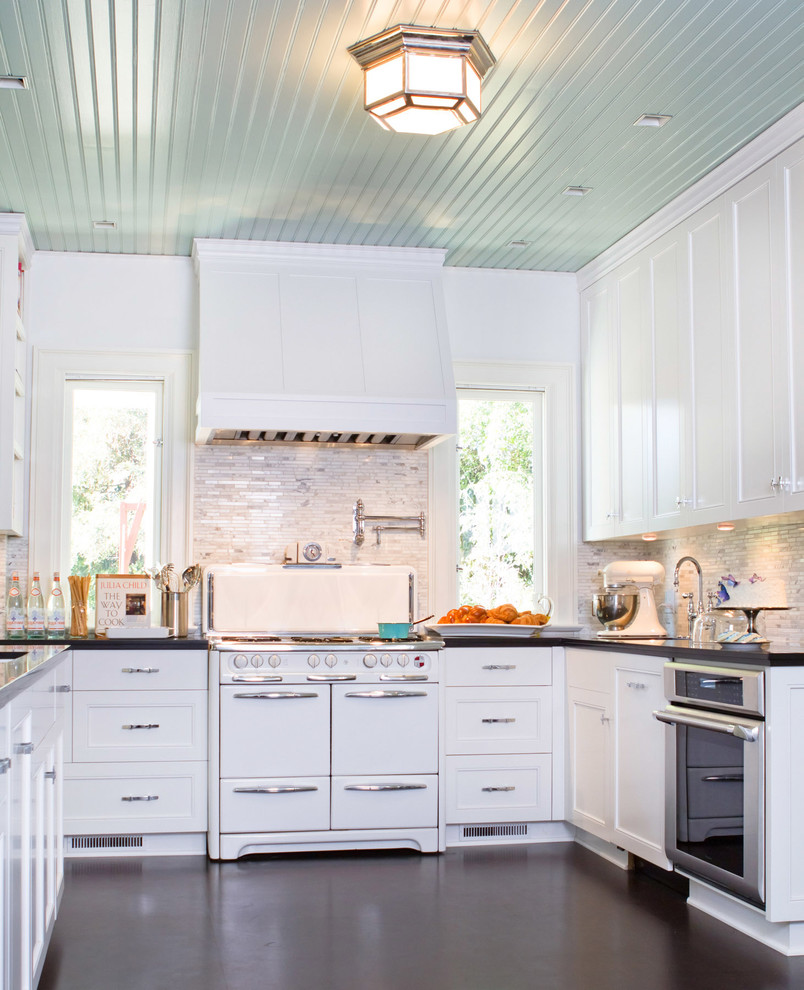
(557, 382)
(51, 370)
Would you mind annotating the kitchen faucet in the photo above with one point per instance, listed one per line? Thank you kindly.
(692, 610)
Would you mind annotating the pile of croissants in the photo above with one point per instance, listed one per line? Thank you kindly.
(501, 615)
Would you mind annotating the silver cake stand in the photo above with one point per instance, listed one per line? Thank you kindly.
(752, 613)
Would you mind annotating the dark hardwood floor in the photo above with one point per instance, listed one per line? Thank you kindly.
(532, 917)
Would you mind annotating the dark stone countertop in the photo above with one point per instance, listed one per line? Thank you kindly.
(195, 641)
(773, 654)
(20, 665)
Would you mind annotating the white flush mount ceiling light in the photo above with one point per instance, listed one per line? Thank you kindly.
(576, 190)
(422, 80)
(13, 82)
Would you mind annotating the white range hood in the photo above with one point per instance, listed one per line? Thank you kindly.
(327, 344)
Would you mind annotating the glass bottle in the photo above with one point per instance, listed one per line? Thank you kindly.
(15, 610)
(36, 610)
(56, 610)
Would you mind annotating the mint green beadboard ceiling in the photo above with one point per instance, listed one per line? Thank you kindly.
(243, 119)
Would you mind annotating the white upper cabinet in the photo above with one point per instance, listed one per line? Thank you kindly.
(722, 313)
(791, 343)
(16, 249)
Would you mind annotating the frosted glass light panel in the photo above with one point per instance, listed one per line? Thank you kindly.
(501, 539)
(114, 432)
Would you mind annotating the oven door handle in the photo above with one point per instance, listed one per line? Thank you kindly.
(748, 733)
(404, 677)
(332, 677)
(386, 694)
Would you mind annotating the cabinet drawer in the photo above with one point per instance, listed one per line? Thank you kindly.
(275, 804)
(146, 670)
(589, 669)
(139, 725)
(498, 720)
(157, 797)
(385, 802)
(493, 789)
(494, 666)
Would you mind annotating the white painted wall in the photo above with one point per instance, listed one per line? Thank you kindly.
(110, 301)
(500, 315)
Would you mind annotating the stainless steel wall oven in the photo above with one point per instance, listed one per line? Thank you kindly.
(715, 826)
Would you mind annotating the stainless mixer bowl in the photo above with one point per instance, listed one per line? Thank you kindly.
(615, 609)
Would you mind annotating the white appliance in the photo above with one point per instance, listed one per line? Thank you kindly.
(326, 738)
(644, 574)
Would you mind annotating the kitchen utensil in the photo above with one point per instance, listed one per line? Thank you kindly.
(418, 621)
(615, 608)
(191, 576)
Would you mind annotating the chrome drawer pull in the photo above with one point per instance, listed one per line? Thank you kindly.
(5, 766)
(386, 694)
(508, 788)
(498, 720)
(255, 678)
(24, 749)
(274, 695)
(142, 797)
(288, 789)
(499, 666)
(139, 670)
(62, 689)
(332, 677)
(50, 774)
(385, 787)
(403, 677)
(732, 778)
(149, 725)
(635, 684)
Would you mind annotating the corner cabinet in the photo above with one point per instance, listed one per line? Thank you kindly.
(16, 252)
(616, 750)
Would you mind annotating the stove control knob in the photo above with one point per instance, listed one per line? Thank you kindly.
(330, 659)
(274, 660)
(240, 661)
(369, 660)
(402, 660)
(313, 660)
(386, 659)
(258, 660)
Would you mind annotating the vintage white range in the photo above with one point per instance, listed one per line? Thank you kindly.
(322, 735)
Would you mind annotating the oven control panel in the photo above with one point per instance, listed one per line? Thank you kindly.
(298, 663)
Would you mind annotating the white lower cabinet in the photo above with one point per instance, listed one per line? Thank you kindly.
(498, 735)
(139, 751)
(616, 749)
(31, 863)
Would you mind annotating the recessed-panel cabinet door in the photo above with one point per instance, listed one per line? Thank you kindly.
(589, 725)
(639, 759)
(669, 378)
(751, 205)
(791, 352)
(710, 421)
(600, 415)
(633, 359)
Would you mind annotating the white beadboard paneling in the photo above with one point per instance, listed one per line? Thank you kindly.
(244, 119)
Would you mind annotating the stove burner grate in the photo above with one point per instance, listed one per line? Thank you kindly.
(321, 639)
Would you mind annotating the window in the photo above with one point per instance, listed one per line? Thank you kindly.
(111, 459)
(112, 515)
(500, 516)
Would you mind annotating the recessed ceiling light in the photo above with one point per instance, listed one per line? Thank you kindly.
(652, 120)
(13, 82)
(577, 190)
(104, 224)
(518, 244)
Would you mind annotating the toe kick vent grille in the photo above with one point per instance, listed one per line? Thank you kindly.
(492, 831)
(106, 842)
